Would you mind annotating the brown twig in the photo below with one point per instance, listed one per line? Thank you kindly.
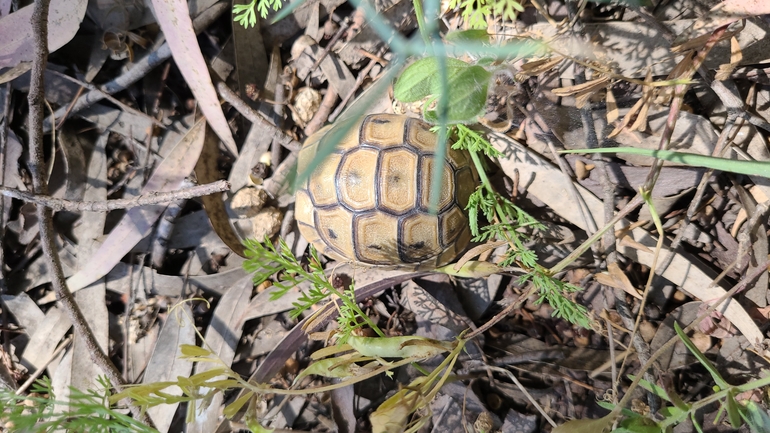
(323, 111)
(359, 81)
(32, 377)
(376, 57)
(501, 315)
(83, 85)
(36, 101)
(280, 100)
(255, 117)
(139, 69)
(343, 27)
(4, 125)
(59, 204)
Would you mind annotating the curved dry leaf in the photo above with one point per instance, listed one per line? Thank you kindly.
(546, 182)
(615, 277)
(221, 338)
(64, 17)
(166, 363)
(174, 19)
(137, 222)
(207, 171)
(723, 14)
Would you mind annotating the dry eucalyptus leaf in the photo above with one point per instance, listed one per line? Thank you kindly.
(618, 279)
(137, 222)
(549, 186)
(174, 18)
(221, 338)
(64, 18)
(166, 363)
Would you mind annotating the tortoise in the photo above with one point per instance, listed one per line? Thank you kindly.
(368, 201)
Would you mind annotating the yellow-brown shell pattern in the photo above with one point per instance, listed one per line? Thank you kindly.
(368, 201)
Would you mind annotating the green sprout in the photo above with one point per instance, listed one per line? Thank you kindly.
(265, 260)
(476, 12)
(88, 411)
(246, 15)
(508, 222)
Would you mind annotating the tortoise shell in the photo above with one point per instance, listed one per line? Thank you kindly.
(368, 201)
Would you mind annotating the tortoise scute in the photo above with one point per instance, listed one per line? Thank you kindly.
(447, 184)
(355, 179)
(398, 171)
(374, 238)
(368, 201)
(418, 238)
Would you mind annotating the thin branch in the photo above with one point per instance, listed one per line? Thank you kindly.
(58, 204)
(322, 114)
(36, 100)
(139, 69)
(257, 118)
(125, 107)
(340, 31)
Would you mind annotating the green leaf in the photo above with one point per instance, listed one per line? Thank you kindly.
(751, 168)
(651, 387)
(756, 417)
(733, 411)
(236, 406)
(471, 269)
(638, 425)
(473, 35)
(695, 422)
(586, 425)
(416, 81)
(701, 358)
(190, 350)
(467, 94)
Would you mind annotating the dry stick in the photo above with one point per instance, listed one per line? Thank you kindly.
(36, 99)
(280, 98)
(323, 111)
(501, 315)
(58, 204)
(359, 81)
(69, 107)
(4, 163)
(343, 27)
(663, 349)
(32, 377)
(761, 76)
(696, 201)
(115, 101)
(376, 57)
(257, 118)
(140, 68)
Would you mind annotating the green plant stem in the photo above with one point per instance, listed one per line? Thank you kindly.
(488, 186)
(633, 204)
(670, 343)
(759, 383)
(354, 306)
(420, 16)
